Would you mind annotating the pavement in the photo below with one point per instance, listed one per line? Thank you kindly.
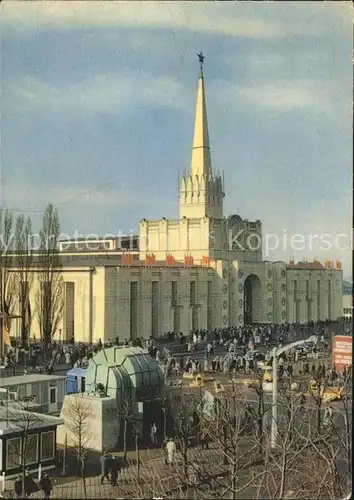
(155, 477)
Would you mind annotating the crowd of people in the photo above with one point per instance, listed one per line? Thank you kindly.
(233, 348)
(224, 349)
(25, 486)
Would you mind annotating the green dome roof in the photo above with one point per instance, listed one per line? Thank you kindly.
(125, 373)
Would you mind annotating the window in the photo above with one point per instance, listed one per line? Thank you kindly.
(174, 294)
(31, 449)
(34, 390)
(192, 293)
(47, 445)
(13, 453)
(53, 395)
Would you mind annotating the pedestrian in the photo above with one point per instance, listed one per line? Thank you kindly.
(114, 470)
(171, 451)
(18, 487)
(204, 439)
(46, 485)
(328, 417)
(30, 485)
(153, 435)
(302, 401)
(104, 467)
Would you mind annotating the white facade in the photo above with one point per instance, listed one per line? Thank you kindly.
(227, 284)
(42, 393)
(348, 306)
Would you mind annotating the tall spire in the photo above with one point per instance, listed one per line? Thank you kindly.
(201, 160)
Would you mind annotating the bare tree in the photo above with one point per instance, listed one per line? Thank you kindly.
(24, 265)
(50, 293)
(308, 461)
(7, 288)
(258, 387)
(186, 423)
(78, 414)
(127, 415)
(347, 404)
(237, 446)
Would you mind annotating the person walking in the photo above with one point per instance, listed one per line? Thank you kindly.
(115, 469)
(204, 439)
(153, 435)
(328, 417)
(46, 485)
(104, 467)
(171, 451)
(18, 487)
(30, 485)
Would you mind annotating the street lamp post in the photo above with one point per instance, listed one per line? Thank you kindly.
(276, 354)
(274, 428)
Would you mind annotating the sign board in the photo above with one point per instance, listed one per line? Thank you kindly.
(342, 347)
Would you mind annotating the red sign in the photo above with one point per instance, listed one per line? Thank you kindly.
(127, 259)
(205, 261)
(188, 260)
(150, 259)
(170, 260)
(342, 347)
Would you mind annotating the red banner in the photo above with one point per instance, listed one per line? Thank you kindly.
(150, 259)
(170, 260)
(205, 261)
(342, 347)
(127, 259)
(188, 260)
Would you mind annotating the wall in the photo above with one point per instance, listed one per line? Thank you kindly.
(329, 279)
(46, 465)
(347, 303)
(175, 237)
(99, 422)
(199, 237)
(279, 292)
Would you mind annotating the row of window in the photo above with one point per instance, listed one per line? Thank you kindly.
(38, 392)
(30, 449)
(174, 291)
(348, 310)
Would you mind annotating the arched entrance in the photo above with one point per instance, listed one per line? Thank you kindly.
(252, 300)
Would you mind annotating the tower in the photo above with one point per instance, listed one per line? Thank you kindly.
(201, 192)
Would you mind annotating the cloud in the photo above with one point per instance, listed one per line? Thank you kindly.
(70, 198)
(285, 97)
(104, 93)
(94, 91)
(234, 19)
(280, 95)
(139, 14)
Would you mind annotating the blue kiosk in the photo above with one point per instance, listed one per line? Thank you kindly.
(75, 380)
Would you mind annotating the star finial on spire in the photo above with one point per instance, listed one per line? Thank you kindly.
(201, 58)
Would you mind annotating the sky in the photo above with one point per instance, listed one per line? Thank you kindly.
(98, 103)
